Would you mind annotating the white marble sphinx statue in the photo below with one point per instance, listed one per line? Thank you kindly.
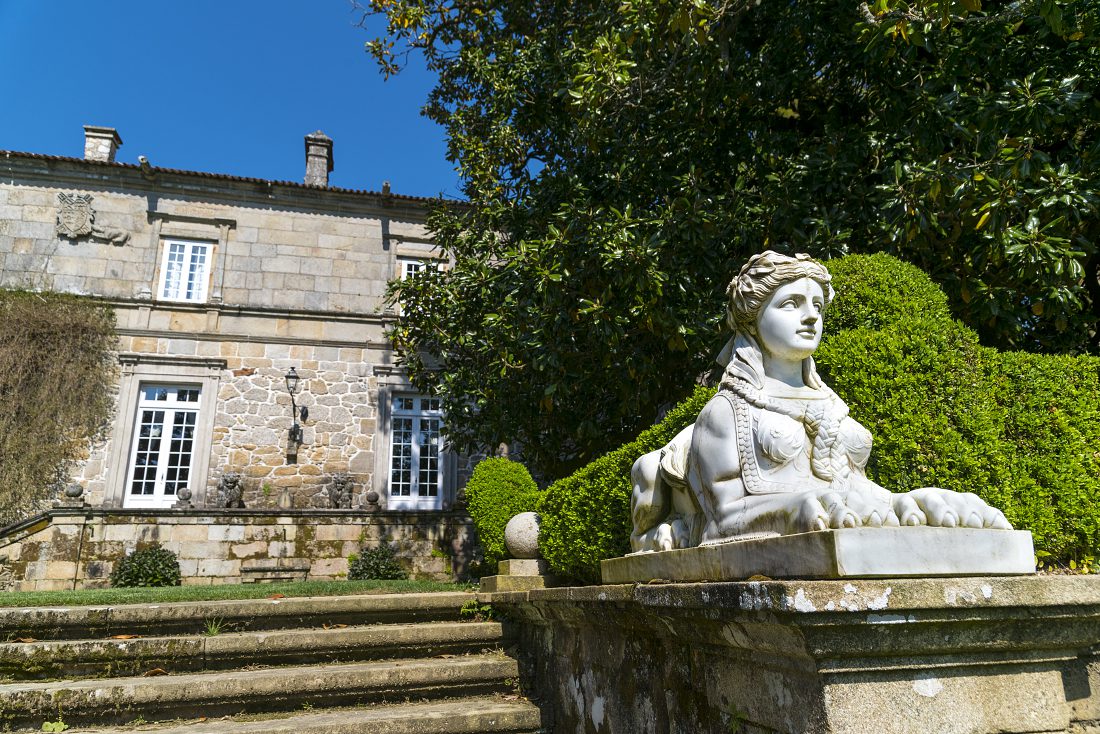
(775, 452)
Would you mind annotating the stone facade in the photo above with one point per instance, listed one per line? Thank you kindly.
(220, 285)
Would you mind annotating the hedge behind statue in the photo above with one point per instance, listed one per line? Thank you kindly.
(497, 491)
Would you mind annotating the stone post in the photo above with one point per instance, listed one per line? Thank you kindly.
(101, 143)
(318, 159)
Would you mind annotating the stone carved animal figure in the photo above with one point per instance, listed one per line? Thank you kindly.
(775, 451)
(232, 490)
(339, 491)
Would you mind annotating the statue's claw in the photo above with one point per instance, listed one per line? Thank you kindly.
(840, 514)
(947, 509)
(908, 511)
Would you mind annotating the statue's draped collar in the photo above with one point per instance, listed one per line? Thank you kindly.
(742, 358)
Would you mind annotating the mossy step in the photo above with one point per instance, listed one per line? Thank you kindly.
(56, 623)
(463, 716)
(118, 657)
(122, 700)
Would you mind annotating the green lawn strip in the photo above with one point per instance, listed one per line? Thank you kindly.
(90, 597)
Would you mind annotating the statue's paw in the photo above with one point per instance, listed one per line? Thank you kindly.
(838, 513)
(940, 513)
(679, 533)
(978, 514)
(948, 509)
(907, 512)
(662, 539)
(811, 515)
(997, 520)
(872, 508)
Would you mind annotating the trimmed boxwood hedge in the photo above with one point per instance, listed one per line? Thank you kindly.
(497, 491)
(1020, 430)
(585, 517)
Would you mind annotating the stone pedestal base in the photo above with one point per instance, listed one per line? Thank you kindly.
(870, 656)
(517, 574)
(835, 554)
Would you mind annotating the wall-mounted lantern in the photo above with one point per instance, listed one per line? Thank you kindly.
(295, 436)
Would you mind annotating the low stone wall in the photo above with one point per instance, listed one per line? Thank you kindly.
(911, 656)
(77, 548)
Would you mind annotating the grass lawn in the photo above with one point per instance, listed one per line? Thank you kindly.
(89, 597)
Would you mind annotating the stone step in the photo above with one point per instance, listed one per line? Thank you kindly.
(124, 657)
(123, 700)
(465, 716)
(56, 623)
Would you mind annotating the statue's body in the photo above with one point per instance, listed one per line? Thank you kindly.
(775, 451)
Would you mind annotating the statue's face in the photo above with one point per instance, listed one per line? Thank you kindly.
(789, 323)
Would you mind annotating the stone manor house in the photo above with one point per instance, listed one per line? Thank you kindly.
(225, 289)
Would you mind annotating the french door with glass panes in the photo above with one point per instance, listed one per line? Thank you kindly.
(416, 471)
(163, 451)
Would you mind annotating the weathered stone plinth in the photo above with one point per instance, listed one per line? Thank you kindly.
(847, 553)
(876, 656)
(518, 574)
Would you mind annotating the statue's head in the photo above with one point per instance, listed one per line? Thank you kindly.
(761, 276)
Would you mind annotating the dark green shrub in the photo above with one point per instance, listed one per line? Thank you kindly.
(497, 491)
(585, 517)
(376, 563)
(150, 566)
(1020, 430)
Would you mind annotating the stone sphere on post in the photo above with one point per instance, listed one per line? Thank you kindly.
(521, 535)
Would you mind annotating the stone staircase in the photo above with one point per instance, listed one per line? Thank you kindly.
(392, 663)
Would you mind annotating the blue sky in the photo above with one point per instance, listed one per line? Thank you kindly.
(226, 86)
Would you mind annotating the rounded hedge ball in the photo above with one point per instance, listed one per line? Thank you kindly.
(521, 535)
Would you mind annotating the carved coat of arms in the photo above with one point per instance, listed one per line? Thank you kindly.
(74, 215)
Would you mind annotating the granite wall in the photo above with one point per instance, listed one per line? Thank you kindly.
(71, 548)
(864, 656)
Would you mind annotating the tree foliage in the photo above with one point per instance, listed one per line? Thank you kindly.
(621, 159)
(56, 382)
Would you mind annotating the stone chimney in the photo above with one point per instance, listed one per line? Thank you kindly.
(101, 143)
(318, 158)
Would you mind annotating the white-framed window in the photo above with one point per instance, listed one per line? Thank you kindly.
(416, 441)
(163, 451)
(185, 271)
(408, 266)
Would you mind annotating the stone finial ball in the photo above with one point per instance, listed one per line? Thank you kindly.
(521, 535)
(74, 490)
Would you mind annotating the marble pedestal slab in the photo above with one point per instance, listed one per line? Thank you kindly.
(836, 554)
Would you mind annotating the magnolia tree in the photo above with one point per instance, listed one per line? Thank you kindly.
(621, 159)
